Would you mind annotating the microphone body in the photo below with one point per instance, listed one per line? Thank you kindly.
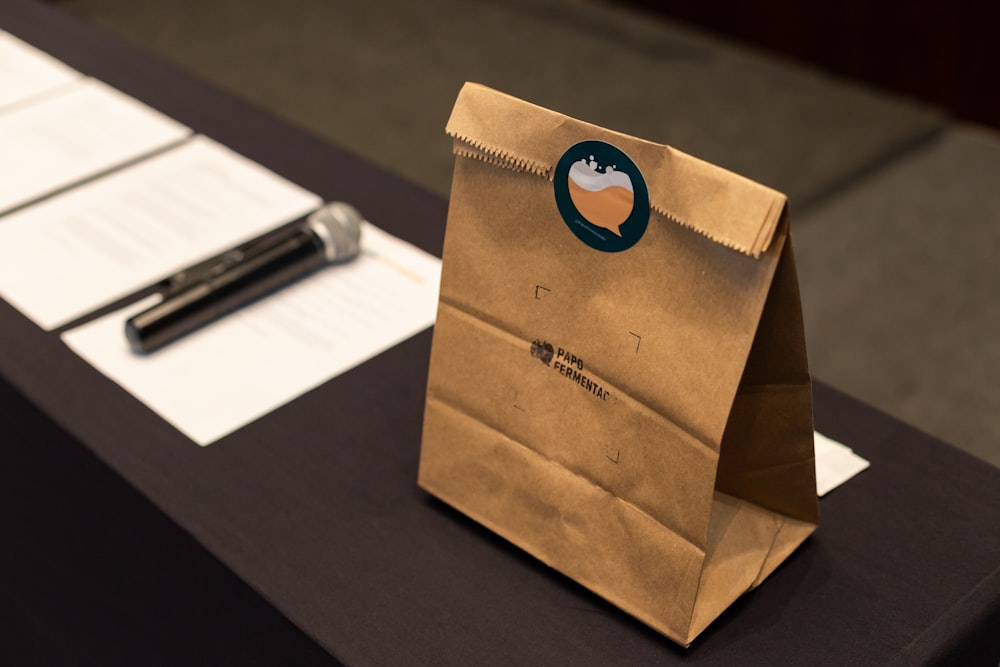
(200, 294)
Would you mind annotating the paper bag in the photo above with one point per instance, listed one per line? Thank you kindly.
(618, 379)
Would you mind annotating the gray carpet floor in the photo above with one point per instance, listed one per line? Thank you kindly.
(896, 210)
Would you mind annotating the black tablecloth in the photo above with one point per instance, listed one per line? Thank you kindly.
(304, 535)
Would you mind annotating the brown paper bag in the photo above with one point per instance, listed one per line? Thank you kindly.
(618, 379)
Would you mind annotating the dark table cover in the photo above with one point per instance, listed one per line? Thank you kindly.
(303, 538)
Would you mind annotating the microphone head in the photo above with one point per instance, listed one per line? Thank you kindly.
(339, 226)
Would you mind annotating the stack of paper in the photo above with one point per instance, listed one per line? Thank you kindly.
(835, 464)
(105, 196)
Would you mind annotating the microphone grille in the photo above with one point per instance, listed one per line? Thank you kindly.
(338, 224)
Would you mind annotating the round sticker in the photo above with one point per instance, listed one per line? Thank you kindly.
(602, 196)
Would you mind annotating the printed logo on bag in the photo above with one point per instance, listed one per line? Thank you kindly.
(543, 350)
(602, 196)
(567, 365)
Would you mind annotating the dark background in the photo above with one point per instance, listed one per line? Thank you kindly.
(942, 53)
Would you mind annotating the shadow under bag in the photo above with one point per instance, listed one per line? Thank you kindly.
(618, 380)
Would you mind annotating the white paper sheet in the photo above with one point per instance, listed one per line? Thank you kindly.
(835, 464)
(84, 130)
(66, 256)
(247, 364)
(26, 71)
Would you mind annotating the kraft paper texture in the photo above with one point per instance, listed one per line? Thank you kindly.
(639, 419)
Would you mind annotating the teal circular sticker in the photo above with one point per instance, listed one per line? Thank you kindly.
(602, 196)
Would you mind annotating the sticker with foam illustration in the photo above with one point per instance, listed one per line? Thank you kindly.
(602, 196)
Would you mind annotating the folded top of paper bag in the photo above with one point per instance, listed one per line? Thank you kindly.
(729, 209)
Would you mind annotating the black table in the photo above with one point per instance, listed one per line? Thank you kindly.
(304, 536)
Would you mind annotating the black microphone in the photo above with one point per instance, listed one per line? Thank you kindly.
(215, 287)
